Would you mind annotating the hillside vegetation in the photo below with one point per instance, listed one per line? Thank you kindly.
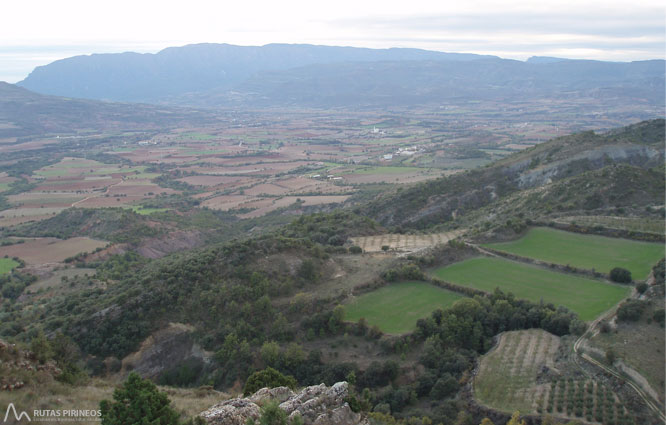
(583, 172)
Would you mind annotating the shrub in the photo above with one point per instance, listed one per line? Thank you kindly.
(138, 401)
(630, 310)
(355, 249)
(267, 378)
(610, 356)
(620, 275)
(641, 287)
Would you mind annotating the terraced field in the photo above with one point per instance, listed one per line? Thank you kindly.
(510, 377)
(403, 243)
(396, 308)
(507, 377)
(587, 297)
(585, 251)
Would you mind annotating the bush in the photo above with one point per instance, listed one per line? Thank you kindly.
(138, 401)
(610, 356)
(355, 249)
(445, 386)
(267, 378)
(620, 275)
(630, 310)
(641, 287)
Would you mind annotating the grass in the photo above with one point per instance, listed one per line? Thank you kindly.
(198, 136)
(587, 297)
(7, 264)
(585, 251)
(139, 209)
(396, 308)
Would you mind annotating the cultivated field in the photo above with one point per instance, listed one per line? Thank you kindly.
(510, 378)
(586, 251)
(507, 377)
(6, 265)
(36, 251)
(396, 308)
(632, 224)
(587, 297)
(403, 243)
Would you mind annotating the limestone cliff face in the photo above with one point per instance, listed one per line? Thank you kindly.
(317, 405)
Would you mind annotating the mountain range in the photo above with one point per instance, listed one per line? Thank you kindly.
(219, 75)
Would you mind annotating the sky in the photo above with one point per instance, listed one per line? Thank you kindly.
(37, 32)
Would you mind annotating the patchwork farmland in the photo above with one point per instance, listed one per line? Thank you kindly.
(587, 297)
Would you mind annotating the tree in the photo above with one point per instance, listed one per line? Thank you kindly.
(618, 274)
(610, 356)
(445, 386)
(486, 421)
(515, 419)
(641, 287)
(355, 249)
(630, 310)
(267, 378)
(138, 401)
(41, 347)
(385, 248)
(307, 271)
(270, 353)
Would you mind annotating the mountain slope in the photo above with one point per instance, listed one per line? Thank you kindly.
(198, 67)
(581, 171)
(23, 112)
(405, 83)
(215, 75)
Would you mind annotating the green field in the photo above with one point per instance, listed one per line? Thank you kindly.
(139, 209)
(585, 251)
(388, 170)
(396, 308)
(6, 265)
(587, 297)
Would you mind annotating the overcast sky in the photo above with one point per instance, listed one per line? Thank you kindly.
(36, 32)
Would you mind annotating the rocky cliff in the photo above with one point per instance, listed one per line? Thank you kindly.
(317, 405)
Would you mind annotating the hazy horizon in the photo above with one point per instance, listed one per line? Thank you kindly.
(590, 29)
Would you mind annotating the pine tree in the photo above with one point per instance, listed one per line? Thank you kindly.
(138, 401)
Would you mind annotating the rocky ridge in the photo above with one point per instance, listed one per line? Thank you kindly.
(317, 405)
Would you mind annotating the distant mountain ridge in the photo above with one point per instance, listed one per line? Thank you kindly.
(300, 75)
(196, 67)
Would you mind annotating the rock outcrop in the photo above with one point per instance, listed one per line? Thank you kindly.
(163, 350)
(316, 405)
